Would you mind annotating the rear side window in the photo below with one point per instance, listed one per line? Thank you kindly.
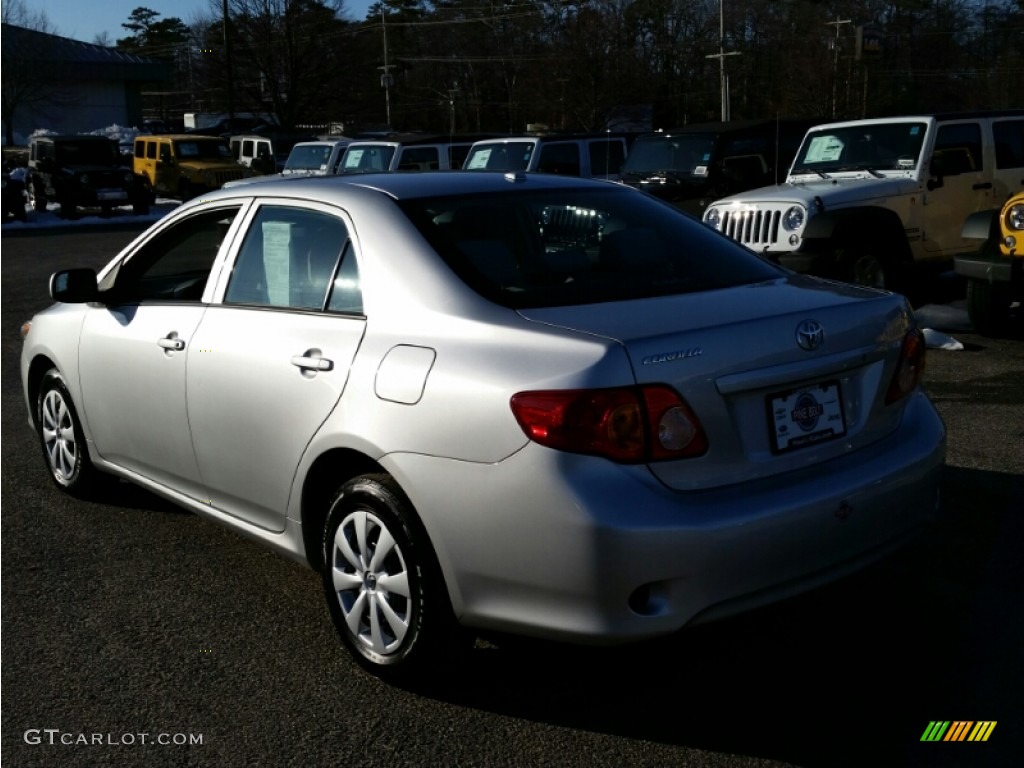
(543, 248)
(288, 259)
(1009, 140)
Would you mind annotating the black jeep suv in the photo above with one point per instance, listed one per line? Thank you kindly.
(82, 171)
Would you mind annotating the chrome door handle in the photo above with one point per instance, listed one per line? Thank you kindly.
(173, 343)
(313, 363)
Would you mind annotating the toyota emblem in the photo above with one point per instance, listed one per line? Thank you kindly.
(810, 335)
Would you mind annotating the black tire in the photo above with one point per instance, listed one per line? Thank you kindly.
(860, 265)
(62, 440)
(390, 608)
(36, 196)
(988, 306)
(140, 205)
(68, 210)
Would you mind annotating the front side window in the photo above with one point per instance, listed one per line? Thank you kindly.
(606, 157)
(173, 266)
(562, 158)
(289, 259)
(419, 159)
(958, 149)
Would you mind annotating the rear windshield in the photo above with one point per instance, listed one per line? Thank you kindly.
(579, 246)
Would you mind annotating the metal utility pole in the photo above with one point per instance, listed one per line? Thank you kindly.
(835, 58)
(386, 79)
(227, 56)
(726, 111)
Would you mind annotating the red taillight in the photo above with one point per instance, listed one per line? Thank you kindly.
(628, 425)
(909, 369)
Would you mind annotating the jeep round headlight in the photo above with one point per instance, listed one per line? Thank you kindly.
(1015, 217)
(84, 179)
(208, 178)
(713, 218)
(127, 178)
(793, 219)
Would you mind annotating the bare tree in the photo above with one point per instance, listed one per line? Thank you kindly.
(31, 78)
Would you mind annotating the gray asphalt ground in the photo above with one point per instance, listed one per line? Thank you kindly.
(130, 621)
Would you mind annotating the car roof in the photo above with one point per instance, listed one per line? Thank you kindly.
(180, 136)
(72, 137)
(407, 186)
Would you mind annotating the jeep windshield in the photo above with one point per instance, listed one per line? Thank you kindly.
(500, 156)
(308, 157)
(670, 156)
(368, 158)
(88, 153)
(860, 148)
(203, 150)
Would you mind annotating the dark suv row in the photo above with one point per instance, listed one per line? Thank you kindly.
(81, 171)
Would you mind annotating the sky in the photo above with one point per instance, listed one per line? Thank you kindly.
(85, 19)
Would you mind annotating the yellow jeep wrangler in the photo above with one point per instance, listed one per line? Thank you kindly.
(183, 166)
(995, 273)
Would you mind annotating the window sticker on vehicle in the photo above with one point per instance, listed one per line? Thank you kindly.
(276, 258)
(806, 416)
(824, 149)
(479, 159)
(700, 170)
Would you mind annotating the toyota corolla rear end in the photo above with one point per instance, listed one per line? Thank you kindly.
(743, 434)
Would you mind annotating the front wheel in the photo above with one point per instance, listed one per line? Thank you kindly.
(62, 439)
(988, 306)
(383, 586)
(36, 197)
(862, 267)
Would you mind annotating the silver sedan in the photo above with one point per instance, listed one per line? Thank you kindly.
(528, 404)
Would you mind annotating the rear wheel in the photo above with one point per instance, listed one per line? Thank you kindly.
(62, 440)
(383, 586)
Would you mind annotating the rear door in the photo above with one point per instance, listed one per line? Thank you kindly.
(271, 360)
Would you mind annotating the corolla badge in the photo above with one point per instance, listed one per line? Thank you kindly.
(810, 335)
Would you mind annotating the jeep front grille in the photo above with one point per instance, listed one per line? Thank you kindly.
(223, 177)
(753, 227)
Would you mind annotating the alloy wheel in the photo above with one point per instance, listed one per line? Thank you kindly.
(59, 441)
(371, 581)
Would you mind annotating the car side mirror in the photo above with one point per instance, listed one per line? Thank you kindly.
(74, 286)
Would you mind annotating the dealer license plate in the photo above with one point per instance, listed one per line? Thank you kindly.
(806, 416)
(111, 194)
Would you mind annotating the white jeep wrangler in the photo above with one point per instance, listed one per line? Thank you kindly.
(867, 199)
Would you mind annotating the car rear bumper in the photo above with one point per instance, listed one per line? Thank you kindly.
(574, 547)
